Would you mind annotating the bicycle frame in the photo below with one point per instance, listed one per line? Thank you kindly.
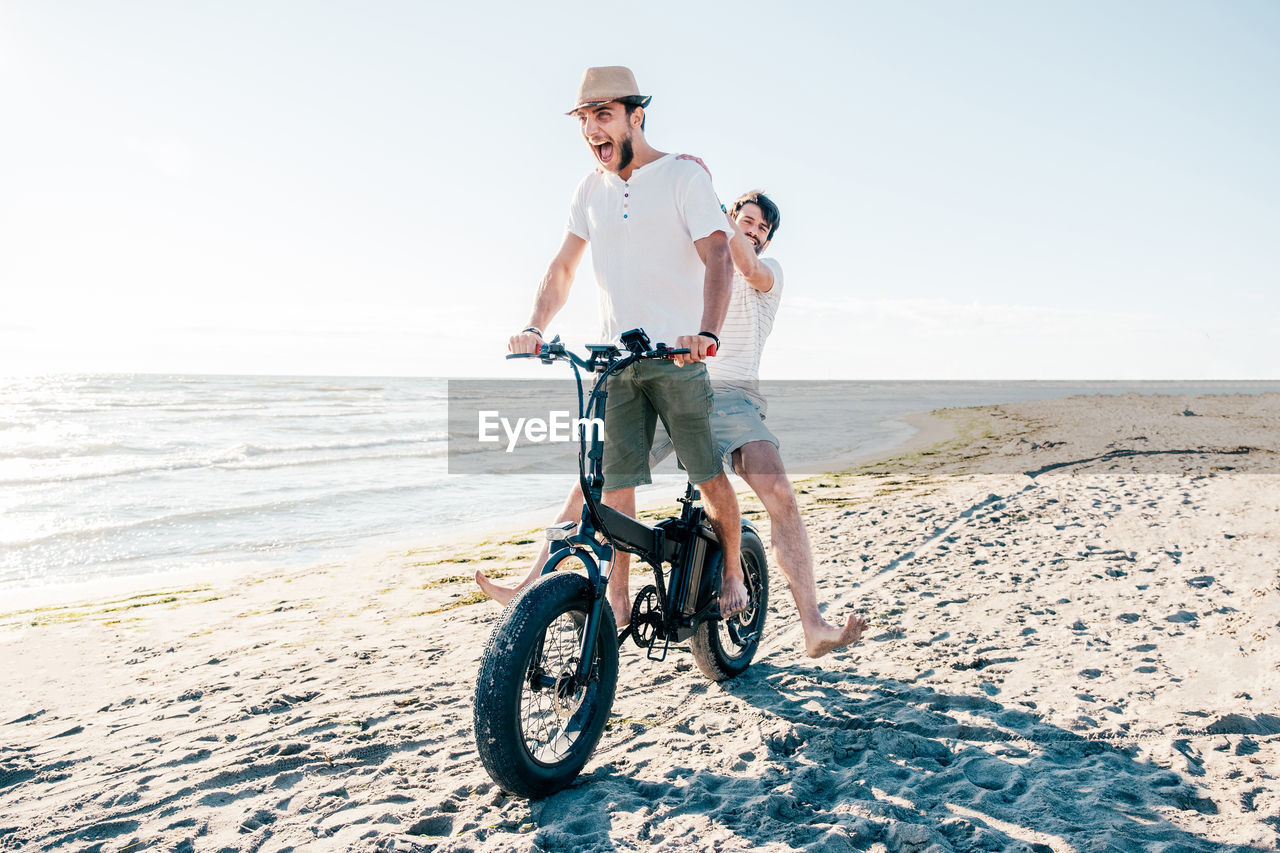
(548, 676)
(620, 532)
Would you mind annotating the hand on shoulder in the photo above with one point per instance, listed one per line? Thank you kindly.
(695, 159)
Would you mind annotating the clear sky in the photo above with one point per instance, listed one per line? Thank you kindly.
(969, 190)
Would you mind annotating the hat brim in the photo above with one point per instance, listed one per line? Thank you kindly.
(638, 100)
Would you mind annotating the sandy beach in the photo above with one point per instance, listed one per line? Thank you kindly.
(1074, 646)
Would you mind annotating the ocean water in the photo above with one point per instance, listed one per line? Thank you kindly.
(107, 476)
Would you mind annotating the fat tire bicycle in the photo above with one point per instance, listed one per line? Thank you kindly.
(549, 670)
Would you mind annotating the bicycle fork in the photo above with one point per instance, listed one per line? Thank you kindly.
(592, 629)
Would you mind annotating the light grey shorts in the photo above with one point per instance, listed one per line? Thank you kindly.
(735, 420)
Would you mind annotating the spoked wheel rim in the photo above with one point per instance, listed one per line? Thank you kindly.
(553, 714)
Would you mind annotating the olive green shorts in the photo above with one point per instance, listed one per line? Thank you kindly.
(638, 397)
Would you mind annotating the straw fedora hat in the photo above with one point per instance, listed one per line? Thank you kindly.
(609, 83)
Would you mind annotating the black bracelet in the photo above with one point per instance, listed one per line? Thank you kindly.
(713, 337)
(538, 331)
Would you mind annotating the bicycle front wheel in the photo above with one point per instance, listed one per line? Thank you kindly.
(535, 729)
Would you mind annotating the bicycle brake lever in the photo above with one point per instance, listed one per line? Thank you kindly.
(661, 350)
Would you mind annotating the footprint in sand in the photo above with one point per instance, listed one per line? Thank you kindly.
(27, 717)
(437, 825)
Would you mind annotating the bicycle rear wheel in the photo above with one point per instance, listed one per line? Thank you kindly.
(534, 729)
(724, 648)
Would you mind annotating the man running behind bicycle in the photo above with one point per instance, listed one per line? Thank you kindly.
(746, 444)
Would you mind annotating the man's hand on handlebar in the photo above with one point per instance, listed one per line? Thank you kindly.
(700, 348)
(525, 342)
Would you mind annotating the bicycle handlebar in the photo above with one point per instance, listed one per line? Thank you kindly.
(551, 351)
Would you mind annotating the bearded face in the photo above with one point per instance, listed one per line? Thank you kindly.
(751, 220)
(609, 132)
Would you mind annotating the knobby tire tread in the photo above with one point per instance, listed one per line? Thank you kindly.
(499, 684)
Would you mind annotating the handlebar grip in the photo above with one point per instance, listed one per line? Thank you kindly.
(711, 350)
(522, 355)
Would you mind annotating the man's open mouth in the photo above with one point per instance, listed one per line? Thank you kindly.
(604, 152)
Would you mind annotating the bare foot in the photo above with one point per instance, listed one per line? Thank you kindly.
(828, 638)
(499, 593)
(733, 597)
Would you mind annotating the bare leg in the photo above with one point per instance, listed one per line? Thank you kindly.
(760, 465)
(722, 512)
(619, 591)
(572, 511)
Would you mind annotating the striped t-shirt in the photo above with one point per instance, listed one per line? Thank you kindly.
(746, 327)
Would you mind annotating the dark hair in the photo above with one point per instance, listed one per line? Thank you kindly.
(768, 209)
(630, 104)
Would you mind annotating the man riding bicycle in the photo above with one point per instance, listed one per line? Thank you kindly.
(662, 262)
